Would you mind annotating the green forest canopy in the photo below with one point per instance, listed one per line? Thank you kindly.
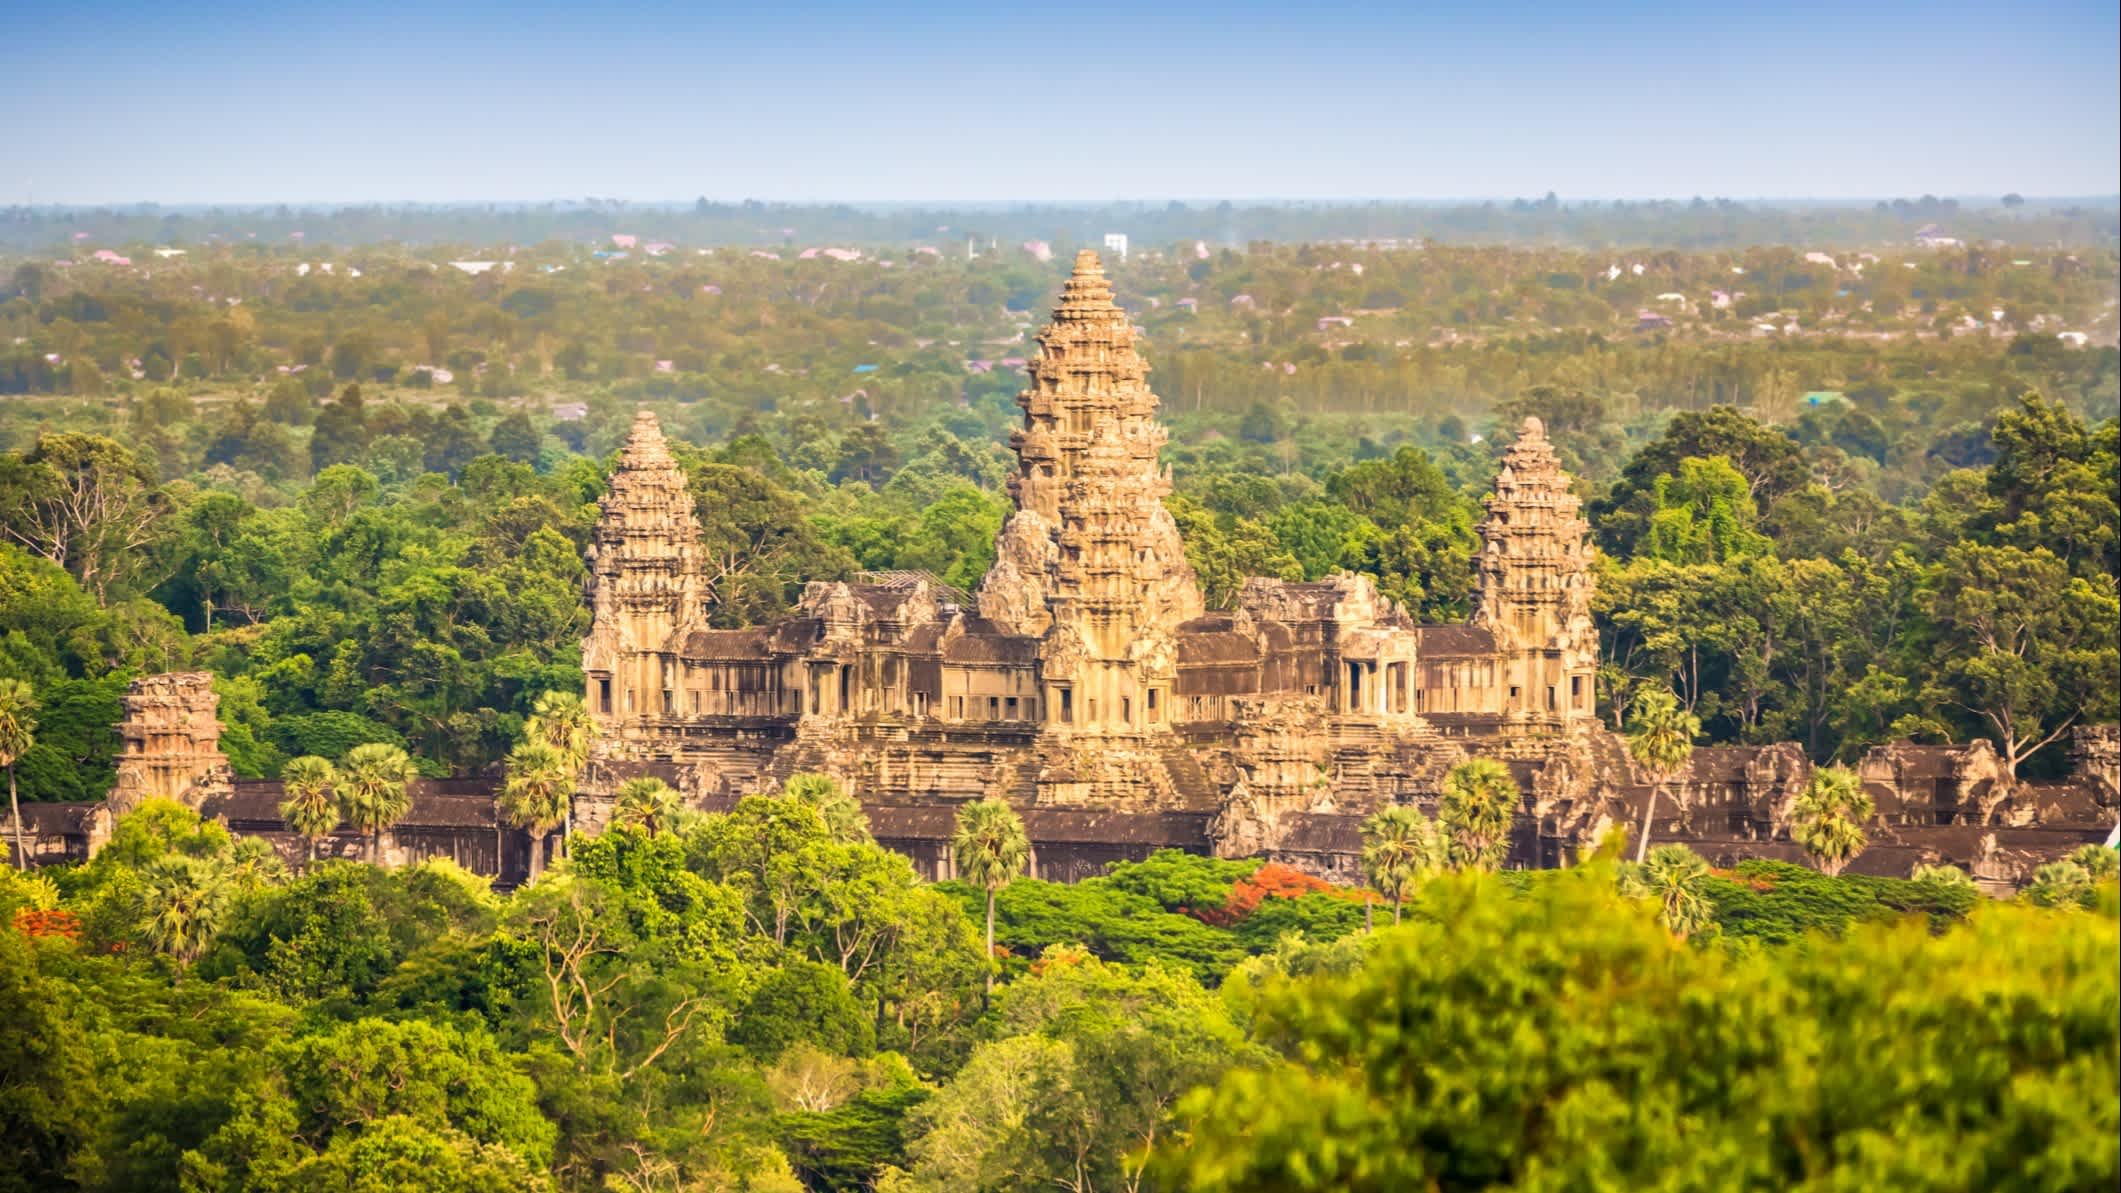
(749, 1001)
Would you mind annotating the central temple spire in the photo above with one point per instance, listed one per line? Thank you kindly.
(1091, 560)
(644, 575)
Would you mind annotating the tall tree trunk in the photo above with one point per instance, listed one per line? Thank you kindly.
(537, 855)
(14, 805)
(1649, 810)
(990, 941)
(1396, 901)
(1367, 927)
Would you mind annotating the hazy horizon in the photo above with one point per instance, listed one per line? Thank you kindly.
(306, 104)
(947, 202)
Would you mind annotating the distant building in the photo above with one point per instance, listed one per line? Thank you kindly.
(1117, 242)
(1039, 250)
(1648, 320)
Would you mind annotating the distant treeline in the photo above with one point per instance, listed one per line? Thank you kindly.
(1668, 223)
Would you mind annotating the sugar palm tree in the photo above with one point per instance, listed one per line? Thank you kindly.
(1941, 875)
(648, 804)
(1479, 801)
(1661, 737)
(842, 814)
(563, 721)
(535, 796)
(311, 808)
(2099, 861)
(251, 863)
(1400, 848)
(991, 850)
(181, 901)
(372, 791)
(1828, 815)
(2063, 884)
(18, 732)
(1673, 876)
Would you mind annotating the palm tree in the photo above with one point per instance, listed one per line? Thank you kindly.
(1660, 740)
(1941, 875)
(842, 813)
(1827, 817)
(1673, 877)
(311, 808)
(991, 850)
(251, 863)
(18, 732)
(1400, 847)
(1479, 801)
(371, 791)
(2063, 884)
(2099, 861)
(563, 721)
(539, 788)
(181, 901)
(648, 804)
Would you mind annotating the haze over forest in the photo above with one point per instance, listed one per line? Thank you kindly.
(1694, 222)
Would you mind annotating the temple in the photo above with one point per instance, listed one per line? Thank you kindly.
(1086, 684)
(1084, 681)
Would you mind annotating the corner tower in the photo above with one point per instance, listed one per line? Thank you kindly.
(644, 577)
(1535, 587)
(1091, 562)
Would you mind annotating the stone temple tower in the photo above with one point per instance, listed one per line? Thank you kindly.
(1091, 561)
(172, 742)
(644, 579)
(1535, 587)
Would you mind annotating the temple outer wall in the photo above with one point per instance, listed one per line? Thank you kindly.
(1936, 805)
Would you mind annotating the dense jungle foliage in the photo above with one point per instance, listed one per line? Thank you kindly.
(764, 1000)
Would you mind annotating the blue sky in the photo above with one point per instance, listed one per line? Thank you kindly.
(302, 101)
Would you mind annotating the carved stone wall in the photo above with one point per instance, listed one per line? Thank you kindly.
(170, 742)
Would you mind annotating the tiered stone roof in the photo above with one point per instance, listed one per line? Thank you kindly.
(1090, 529)
(171, 739)
(1535, 579)
(645, 554)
